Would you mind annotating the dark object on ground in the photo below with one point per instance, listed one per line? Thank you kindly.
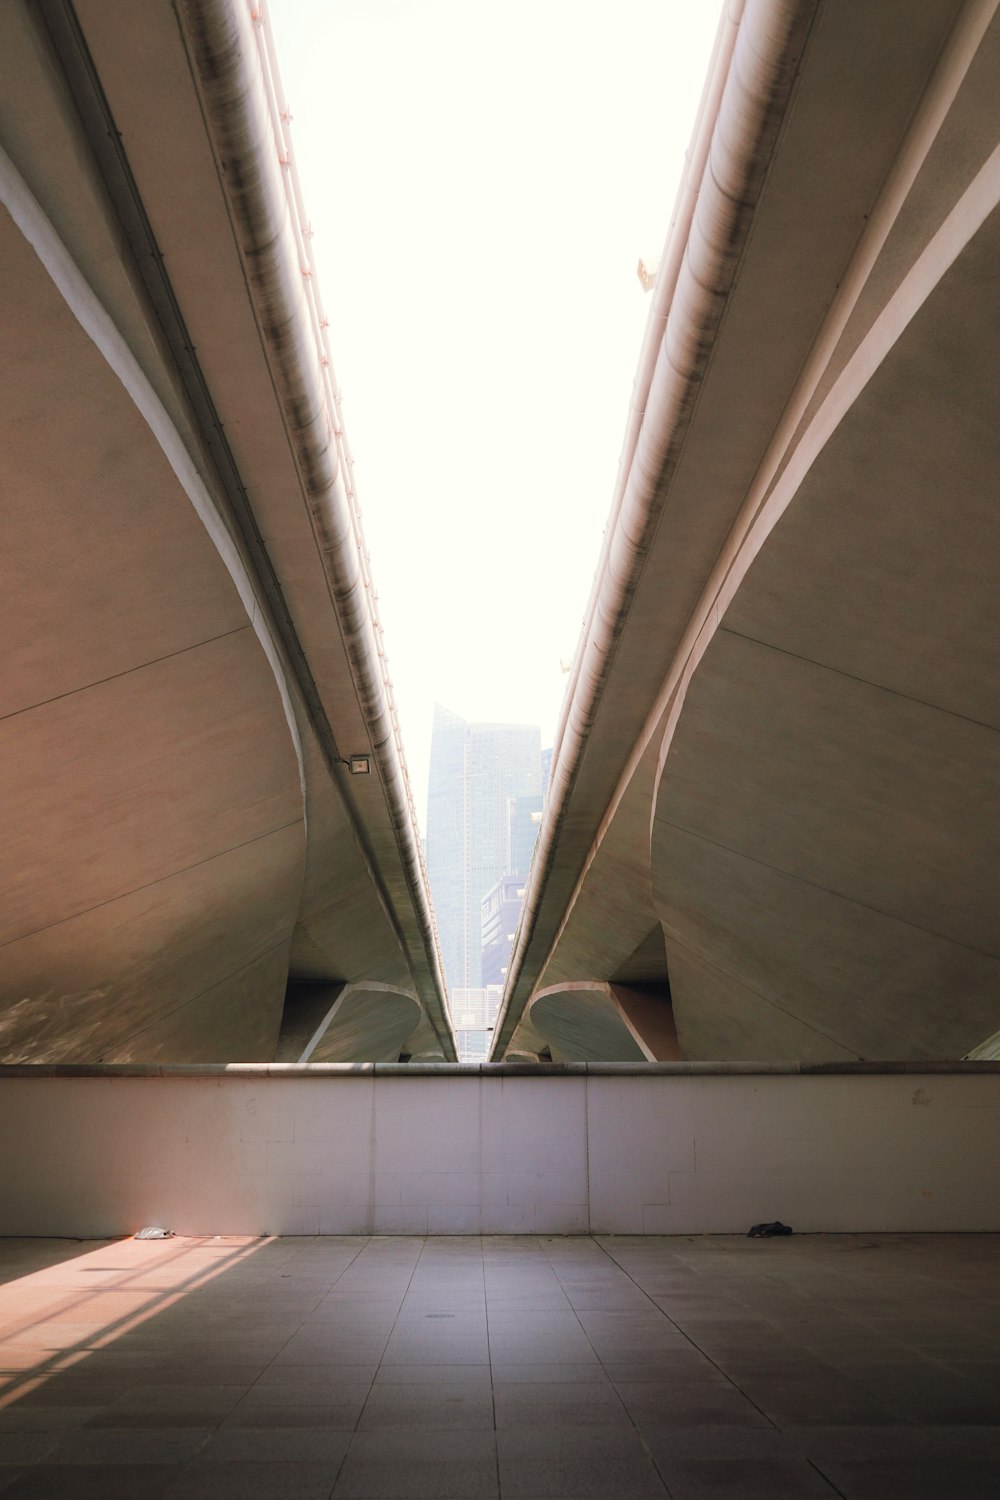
(765, 1231)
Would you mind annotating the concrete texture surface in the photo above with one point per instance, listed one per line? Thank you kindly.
(181, 682)
(781, 732)
(860, 1367)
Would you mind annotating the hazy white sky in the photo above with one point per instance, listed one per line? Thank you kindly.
(481, 181)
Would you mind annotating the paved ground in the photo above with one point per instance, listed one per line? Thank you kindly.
(866, 1367)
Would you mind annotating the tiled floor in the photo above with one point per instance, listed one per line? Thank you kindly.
(866, 1367)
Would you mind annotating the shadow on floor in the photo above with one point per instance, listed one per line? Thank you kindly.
(860, 1366)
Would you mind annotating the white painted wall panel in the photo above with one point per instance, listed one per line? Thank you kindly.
(468, 1153)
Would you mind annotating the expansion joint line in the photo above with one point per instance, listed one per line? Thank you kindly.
(694, 1345)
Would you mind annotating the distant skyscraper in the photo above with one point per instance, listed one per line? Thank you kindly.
(546, 771)
(476, 772)
(473, 1014)
(501, 912)
(523, 823)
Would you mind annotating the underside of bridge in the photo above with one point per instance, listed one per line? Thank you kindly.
(192, 651)
(771, 829)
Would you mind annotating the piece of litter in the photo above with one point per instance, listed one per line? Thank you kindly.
(766, 1231)
(152, 1232)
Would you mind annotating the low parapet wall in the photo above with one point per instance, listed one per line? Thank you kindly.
(621, 1149)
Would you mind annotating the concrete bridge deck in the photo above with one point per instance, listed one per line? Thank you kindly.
(769, 829)
(192, 650)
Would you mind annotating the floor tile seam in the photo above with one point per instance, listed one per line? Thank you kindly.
(728, 1378)
(291, 1336)
(814, 1464)
(493, 1389)
(644, 1445)
(380, 1363)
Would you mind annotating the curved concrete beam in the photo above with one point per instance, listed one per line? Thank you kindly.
(820, 857)
(367, 1023)
(152, 759)
(827, 255)
(229, 71)
(588, 1021)
(95, 321)
(988, 1051)
(750, 79)
(103, 115)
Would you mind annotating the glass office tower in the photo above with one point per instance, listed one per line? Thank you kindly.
(476, 772)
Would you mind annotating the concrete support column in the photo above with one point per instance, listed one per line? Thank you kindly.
(595, 1020)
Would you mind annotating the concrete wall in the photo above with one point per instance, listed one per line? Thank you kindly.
(654, 1148)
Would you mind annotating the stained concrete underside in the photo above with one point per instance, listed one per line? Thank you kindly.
(859, 1366)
